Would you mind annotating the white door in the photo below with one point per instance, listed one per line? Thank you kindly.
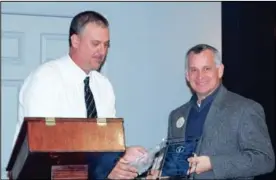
(27, 41)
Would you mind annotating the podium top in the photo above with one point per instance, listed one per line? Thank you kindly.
(50, 135)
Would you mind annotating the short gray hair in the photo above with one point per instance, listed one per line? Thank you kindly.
(202, 47)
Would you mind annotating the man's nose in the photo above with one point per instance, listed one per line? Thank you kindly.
(101, 49)
(200, 75)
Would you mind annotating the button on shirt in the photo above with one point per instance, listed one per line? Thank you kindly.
(56, 89)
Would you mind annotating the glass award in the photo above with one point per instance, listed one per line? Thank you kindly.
(170, 158)
(171, 162)
(144, 162)
(175, 160)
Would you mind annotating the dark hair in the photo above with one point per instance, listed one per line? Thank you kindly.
(80, 20)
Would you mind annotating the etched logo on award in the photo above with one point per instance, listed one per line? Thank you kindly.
(180, 149)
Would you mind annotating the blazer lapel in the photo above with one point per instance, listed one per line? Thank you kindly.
(213, 117)
(178, 127)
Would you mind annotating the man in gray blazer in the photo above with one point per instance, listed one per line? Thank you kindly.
(233, 138)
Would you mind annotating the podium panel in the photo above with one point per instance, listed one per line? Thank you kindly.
(44, 145)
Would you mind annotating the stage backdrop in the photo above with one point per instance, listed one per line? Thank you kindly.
(145, 62)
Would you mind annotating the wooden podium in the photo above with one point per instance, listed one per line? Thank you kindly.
(56, 148)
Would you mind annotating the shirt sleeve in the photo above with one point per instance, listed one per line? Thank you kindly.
(38, 97)
(256, 154)
(111, 99)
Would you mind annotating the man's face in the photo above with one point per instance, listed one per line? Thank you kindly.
(202, 73)
(92, 46)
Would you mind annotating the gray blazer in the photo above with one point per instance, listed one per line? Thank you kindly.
(235, 137)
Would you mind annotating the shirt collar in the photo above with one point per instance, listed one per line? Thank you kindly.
(205, 101)
(75, 72)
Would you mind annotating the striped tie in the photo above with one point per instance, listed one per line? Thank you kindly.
(89, 100)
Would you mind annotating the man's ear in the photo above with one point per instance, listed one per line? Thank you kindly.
(75, 40)
(221, 70)
(187, 76)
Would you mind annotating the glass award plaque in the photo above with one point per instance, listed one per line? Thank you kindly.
(144, 162)
(170, 158)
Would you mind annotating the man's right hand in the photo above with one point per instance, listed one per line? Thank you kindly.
(123, 170)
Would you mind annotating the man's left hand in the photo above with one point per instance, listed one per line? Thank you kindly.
(133, 152)
(199, 164)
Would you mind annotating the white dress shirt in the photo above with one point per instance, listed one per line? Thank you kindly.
(56, 89)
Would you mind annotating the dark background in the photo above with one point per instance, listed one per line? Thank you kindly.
(248, 53)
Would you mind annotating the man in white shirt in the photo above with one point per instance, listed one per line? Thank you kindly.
(57, 88)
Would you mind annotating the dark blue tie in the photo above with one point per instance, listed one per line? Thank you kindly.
(89, 100)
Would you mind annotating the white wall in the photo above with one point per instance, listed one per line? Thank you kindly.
(146, 59)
